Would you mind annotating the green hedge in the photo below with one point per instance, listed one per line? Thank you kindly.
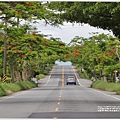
(40, 76)
(8, 88)
(118, 93)
(112, 87)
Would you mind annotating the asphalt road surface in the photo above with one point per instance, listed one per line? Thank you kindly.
(53, 99)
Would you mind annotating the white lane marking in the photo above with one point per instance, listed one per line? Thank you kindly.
(48, 80)
(21, 92)
(77, 77)
(106, 94)
(13, 95)
(54, 117)
(94, 89)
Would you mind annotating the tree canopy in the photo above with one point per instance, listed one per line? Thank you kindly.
(26, 54)
(103, 15)
(98, 55)
(17, 48)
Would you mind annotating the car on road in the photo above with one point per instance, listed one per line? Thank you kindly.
(71, 80)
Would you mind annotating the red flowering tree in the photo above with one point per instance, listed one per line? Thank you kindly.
(11, 15)
(96, 55)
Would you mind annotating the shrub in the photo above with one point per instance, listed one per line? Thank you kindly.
(2, 91)
(45, 72)
(8, 88)
(12, 86)
(112, 87)
(40, 76)
(8, 79)
(26, 85)
(118, 93)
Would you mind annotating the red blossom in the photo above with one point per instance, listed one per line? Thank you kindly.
(102, 59)
(29, 4)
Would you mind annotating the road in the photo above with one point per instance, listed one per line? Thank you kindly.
(53, 99)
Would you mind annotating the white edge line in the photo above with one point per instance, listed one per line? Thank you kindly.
(94, 89)
(105, 94)
(21, 92)
(48, 80)
(77, 78)
(12, 95)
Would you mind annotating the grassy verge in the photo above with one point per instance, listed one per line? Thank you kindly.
(8, 88)
(82, 74)
(118, 93)
(40, 76)
(112, 87)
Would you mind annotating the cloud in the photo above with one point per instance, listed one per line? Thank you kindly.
(67, 32)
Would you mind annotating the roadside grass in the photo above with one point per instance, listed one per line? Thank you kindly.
(99, 84)
(82, 74)
(111, 87)
(40, 76)
(118, 93)
(9, 88)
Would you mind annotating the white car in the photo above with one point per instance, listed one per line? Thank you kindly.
(71, 80)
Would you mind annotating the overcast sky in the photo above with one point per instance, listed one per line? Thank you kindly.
(67, 32)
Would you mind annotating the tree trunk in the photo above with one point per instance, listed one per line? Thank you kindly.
(18, 76)
(29, 73)
(117, 54)
(95, 76)
(24, 75)
(24, 72)
(102, 73)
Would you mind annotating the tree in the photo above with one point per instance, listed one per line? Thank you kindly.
(98, 55)
(103, 15)
(12, 13)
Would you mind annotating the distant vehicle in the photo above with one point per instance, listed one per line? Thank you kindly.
(71, 80)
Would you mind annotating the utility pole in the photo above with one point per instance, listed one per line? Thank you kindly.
(5, 51)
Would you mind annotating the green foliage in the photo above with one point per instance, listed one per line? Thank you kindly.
(9, 88)
(8, 80)
(26, 85)
(2, 91)
(98, 55)
(118, 93)
(32, 53)
(112, 68)
(40, 76)
(112, 87)
(25, 49)
(82, 74)
(103, 15)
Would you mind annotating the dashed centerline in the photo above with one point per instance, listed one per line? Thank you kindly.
(59, 99)
(56, 109)
(58, 103)
(60, 95)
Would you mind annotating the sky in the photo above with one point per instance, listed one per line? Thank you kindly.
(68, 31)
(61, 63)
